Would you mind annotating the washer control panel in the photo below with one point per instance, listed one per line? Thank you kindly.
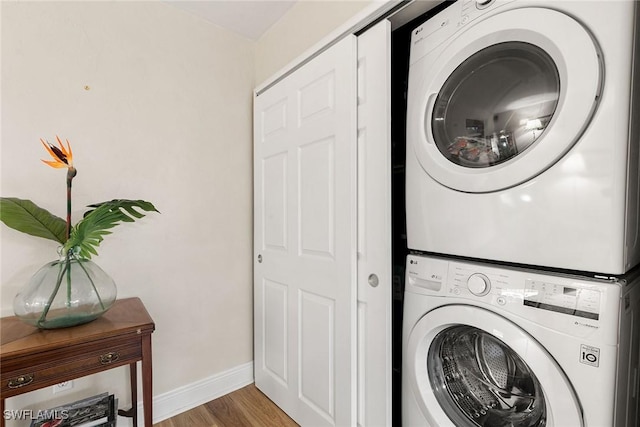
(552, 296)
(514, 289)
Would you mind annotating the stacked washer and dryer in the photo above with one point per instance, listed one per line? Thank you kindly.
(522, 204)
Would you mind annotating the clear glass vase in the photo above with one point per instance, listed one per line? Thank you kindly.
(66, 292)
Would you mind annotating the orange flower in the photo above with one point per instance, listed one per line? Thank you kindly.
(62, 157)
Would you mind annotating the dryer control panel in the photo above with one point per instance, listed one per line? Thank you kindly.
(579, 303)
(439, 28)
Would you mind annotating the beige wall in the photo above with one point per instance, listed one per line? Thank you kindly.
(167, 118)
(305, 24)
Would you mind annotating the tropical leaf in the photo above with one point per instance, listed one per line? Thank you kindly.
(27, 217)
(127, 205)
(87, 234)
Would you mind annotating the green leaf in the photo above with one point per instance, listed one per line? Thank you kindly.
(91, 229)
(27, 217)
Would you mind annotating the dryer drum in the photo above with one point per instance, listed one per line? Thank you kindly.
(479, 381)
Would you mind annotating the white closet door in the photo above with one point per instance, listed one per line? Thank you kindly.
(374, 226)
(305, 239)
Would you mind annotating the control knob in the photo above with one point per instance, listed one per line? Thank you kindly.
(478, 284)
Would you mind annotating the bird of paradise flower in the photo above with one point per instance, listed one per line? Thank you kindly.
(79, 241)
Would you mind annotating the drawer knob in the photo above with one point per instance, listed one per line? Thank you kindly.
(21, 381)
(108, 358)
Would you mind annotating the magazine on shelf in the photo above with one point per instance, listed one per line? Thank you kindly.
(95, 411)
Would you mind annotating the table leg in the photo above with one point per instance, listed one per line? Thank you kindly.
(147, 381)
(133, 380)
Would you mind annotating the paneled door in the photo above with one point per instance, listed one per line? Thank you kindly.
(374, 226)
(305, 239)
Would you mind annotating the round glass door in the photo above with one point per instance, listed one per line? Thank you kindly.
(480, 382)
(462, 374)
(503, 100)
(495, 105)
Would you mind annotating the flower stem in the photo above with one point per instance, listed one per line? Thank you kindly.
(67, 263)
(71, 172)
(90, 281)
(63, 269)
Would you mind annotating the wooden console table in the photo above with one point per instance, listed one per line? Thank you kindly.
(31, 359)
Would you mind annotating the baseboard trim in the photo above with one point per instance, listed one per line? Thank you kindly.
(187, 397)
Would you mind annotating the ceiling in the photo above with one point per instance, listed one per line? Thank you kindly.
(249, 18)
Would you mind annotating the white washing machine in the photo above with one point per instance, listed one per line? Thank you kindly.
(496, 346)
(522, 134)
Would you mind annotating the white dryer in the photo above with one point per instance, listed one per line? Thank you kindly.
(495, 346)
(522, 134)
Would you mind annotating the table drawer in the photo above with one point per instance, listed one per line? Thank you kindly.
(58, 370)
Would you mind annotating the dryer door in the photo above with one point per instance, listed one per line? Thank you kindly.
(505, 100)
(485, 372)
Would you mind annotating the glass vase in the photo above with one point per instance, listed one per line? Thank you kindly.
(66, 292)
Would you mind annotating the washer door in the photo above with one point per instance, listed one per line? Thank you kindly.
(505, 100)
(485, 372)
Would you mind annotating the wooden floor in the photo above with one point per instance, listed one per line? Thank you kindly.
(246, 407)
